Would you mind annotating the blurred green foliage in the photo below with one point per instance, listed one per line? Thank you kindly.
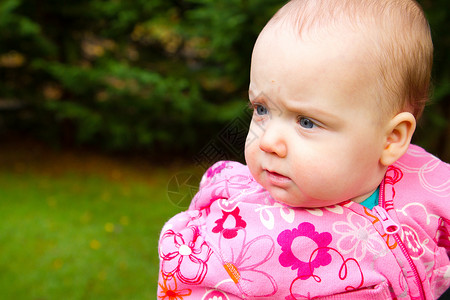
(433, 131)
(163, 76)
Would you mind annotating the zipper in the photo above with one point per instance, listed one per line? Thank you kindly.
(392, 228)
(389, 225)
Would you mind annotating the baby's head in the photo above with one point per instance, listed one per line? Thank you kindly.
(336, 87)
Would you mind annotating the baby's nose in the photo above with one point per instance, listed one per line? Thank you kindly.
(273, 140)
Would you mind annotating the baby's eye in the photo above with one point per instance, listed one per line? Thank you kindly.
(260, 110)
(306, 123)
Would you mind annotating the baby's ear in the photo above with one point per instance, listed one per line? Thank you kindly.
(399, 132)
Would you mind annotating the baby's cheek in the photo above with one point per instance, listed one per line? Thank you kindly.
(251, 148)
(249, 155)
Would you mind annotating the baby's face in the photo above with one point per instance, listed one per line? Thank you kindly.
(316, 133)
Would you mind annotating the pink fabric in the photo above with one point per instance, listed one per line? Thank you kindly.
(236, 242)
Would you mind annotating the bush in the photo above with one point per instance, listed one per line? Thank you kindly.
(158, 76)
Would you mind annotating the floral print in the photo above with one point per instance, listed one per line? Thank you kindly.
(184, 255)
(410, 236)
(337, 209)
(169, 290)
(313, 245)
(426, 167)
(267, 217)
(216, 169)
(236, 242)
(442, 234)
(358, 237)
(223, 224)
(412, 242)
(215, 295)
(243, 260)
(442, 282)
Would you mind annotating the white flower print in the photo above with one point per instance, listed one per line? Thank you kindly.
(337, 209)
(358, 237)
(215, 294)
(267, 217)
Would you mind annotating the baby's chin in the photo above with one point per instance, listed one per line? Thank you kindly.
(284, 198)
(297, 202)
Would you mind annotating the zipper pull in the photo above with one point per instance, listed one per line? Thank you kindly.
(389, 225)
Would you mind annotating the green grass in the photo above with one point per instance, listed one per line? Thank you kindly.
(81, 234)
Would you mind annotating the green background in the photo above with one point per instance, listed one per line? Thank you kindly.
(104, 105)
(159, 77)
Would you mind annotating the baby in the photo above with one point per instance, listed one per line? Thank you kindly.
(334, 202)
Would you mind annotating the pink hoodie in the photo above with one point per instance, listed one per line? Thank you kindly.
(236, 242)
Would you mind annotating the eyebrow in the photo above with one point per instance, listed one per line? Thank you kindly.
(260, 97)
(310, 110)
(250, 93)
(296, 107)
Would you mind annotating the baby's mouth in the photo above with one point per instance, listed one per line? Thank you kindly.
(277, 179)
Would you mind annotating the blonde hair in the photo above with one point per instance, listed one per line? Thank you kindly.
(398, 42)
